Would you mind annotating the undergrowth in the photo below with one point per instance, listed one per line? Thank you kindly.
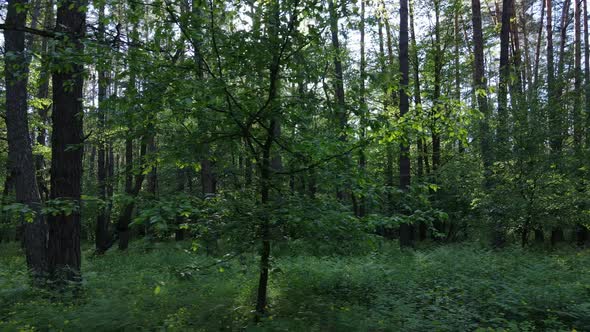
(168, 286)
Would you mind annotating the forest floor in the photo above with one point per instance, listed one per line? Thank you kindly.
(167, 286)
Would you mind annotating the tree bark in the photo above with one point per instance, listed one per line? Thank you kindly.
(503, 131)
(406, 230)
(340, 106)
(67, 143)
(362, 209)
(577, 116)
(271, 162)
(586, 74)
(502, 141)
(20, 156)
(102, 238)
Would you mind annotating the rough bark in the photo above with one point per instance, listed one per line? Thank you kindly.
(271, 161)
(406, 230)
(340, 103)
(502, 139)
(586, 75)
(503, 131)
(362, 209)
(67, 143)
(102, 223)
(20, 156)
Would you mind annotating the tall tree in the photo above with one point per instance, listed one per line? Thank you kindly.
(102, 221)
(20, 155)
(586, 74)
(406, 230)
(578, 93)
(340, 103)
(362, 209)
(503, 131)
(67, 142)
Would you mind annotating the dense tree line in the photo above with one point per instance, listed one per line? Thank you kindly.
(247, 122)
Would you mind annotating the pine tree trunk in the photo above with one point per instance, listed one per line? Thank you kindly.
(67, 144)
(406, 230)
(340, 106)
(20, 156)
(102, 226)
(362, 209)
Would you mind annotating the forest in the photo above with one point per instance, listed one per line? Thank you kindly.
(294, 165)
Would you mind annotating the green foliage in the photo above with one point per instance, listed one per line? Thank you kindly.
(445, 289)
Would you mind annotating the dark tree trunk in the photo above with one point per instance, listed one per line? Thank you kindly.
(152, 178)
(102, 238)
(20, 156)
(554, 131)
(436, 105)
(180, 188)
(362, 204)
(499, 233)
(417, 93)
(208, 181)
(340, 105)
(502, 137)
(67, 143)
(132, 190)
(586, 74)
(557, 236)
(406, 230)
(539, 236)
(271, 162)
(581, 230)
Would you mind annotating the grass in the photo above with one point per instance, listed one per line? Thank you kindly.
(451, 288)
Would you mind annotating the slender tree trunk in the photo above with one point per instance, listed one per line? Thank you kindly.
(152, 178)
(362, 210)
(340, 109)
(180, 180)
(503, 131)
(417, 88)
(67, 144)
(436, 107)
(132, 190)
(577, 117)
(20, 156)
(102, 227)
(271, 162)
(406, 230)
(586, 74)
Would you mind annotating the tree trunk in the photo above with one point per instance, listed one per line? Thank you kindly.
(270, 162)
(503, 131)
(340, 107)
(20, 155)
(406, 230)
(362, 209)
(438, 67)
(67, 144)
(132, 190)
(586, 74)
(180, 180)
(102, 226)
(577, 117)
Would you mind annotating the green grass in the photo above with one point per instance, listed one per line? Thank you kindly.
(452, 288)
